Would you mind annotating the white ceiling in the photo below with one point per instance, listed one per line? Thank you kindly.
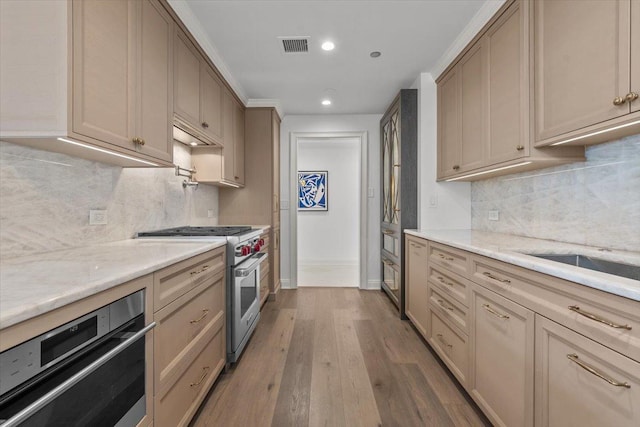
(243, 37)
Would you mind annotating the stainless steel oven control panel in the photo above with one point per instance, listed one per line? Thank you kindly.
(26, 360)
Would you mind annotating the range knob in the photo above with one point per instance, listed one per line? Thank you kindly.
(261, 242)
(256, 248)
(246, 250)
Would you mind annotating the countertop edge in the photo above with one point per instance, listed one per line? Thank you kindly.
(620, 286)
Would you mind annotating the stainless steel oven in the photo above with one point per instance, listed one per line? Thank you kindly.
(245, 303)
(88, 372)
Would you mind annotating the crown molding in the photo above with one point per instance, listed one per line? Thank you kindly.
(184, 12)
(275, 103)
(479, 20)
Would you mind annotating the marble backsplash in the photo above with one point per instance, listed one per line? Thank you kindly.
(595, 203)
(45, 200)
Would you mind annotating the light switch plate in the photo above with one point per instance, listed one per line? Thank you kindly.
(433, 201)
(493, 215)
(284, 205)
(97, 217)
(209, 213)
(370, 193)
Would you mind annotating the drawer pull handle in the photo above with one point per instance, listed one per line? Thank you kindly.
(444, 306)
(443, 341)
(387, 232)
(204, 314)
(387, 262)
(204, 268)
(446, 258)
(205, 371)
(598, 319)
(491, 276)
(495, 313)
(444, 281)
(574, 358)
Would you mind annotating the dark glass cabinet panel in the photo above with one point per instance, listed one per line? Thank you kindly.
(398, 210)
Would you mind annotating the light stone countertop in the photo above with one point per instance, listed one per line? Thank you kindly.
(36, 284)
(513, 249)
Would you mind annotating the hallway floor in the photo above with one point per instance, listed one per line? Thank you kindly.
(336, 357)
(347, 275)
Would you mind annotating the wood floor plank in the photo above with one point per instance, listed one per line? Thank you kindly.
(359, 402)
(395, 403)
(432, 410)
(326, 408)
(292, 407)
(251, 395)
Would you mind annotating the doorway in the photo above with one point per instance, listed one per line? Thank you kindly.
(328, 243)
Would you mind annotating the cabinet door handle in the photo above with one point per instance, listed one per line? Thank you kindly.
(443, 341)
(445, 257)
(592, 316)
(205, 371)
(204, 314)
(456, 167)
(387, 232)
(619, 100)
(491, 276)
(387, 262)
(441, 302)
(441, 280)
(574, 358)
(205, 125)
(138, 141)
(520, 147)
(495, 313)
(631, 96)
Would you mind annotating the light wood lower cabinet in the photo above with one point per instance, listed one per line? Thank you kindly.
(265, 268)
(498, 329)
(502, 337)
(416, 298)
(582, 383)
(190, 336)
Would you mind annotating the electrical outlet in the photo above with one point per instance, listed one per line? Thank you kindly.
(97, 217)
(493, 215)
(210, 213)
(433, 201)
(370, 193)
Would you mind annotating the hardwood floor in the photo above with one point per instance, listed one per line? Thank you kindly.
(336, 357)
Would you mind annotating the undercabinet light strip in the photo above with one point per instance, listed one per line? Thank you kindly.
(102, 150)
(596, 133)
(489, 171)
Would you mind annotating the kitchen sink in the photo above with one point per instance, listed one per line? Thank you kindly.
(597, 264)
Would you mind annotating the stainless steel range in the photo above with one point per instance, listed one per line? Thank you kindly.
(243, 277)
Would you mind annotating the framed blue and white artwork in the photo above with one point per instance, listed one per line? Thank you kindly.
(312, 191)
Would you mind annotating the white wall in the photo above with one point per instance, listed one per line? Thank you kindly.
(452, 199)
(331, 237)
(325, 124)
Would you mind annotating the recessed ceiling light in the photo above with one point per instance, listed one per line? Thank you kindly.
(328, 46)
(326, 102)
(375, 54)
(193, 143)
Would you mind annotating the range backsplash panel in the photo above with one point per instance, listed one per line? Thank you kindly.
(45, 200)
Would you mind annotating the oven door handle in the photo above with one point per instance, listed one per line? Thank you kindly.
(47, 398)
(245, 271)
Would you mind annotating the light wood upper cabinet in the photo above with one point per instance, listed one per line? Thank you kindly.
(122, 73)
(508, 86)
(103, 71)
(238, 144)
(275, 128)
(502, 368)
(484, 104)
(228, 109)
(635, 58)
(416, 292)
(198, 102)
(581, 55)
(568, 393)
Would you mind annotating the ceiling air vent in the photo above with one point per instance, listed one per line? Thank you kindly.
(295, 44)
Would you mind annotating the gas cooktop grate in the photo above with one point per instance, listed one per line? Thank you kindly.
(197, 231)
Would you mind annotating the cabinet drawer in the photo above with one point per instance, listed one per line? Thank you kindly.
(176, 405)
(572, 381)
(177, 279)
(609, 319)
(183, 322)
(450, 258)
(452, 346)
(449, 283)
(454, 312)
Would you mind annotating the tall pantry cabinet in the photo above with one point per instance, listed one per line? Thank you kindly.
(258, 203)
(399, 145)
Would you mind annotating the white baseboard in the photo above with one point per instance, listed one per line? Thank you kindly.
(373, 285)
(286, 284)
